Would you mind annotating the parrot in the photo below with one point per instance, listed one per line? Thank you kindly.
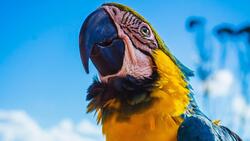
(142, 91)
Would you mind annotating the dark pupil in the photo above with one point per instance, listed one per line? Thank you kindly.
(145, 30)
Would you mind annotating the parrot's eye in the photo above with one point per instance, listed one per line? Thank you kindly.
(145, 31)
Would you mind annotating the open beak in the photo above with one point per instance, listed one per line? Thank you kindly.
(99, 41)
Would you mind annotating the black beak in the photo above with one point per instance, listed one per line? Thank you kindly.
(99, 41)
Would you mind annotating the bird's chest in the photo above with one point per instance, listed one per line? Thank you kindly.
(159, 122)
(148, 126)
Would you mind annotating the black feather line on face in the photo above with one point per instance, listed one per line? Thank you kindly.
(133, 95)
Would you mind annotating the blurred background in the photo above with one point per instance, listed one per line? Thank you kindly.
(43, 84)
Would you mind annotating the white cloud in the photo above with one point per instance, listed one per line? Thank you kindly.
(239, 105)
(220, 83)
(19, 126)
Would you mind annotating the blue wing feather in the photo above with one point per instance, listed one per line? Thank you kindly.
(199, 128)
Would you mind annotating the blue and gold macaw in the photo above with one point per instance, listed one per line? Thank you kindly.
(142, 92)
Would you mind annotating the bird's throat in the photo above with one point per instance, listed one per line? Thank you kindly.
(161, 120)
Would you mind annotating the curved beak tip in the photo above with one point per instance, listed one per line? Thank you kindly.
(86, 68)
(84, 55)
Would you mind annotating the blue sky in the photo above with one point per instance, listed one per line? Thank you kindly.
(40, 68)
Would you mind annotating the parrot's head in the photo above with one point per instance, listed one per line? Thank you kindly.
(129, 56)
(119, 42)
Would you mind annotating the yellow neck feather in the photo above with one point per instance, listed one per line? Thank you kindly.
(171, 85)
